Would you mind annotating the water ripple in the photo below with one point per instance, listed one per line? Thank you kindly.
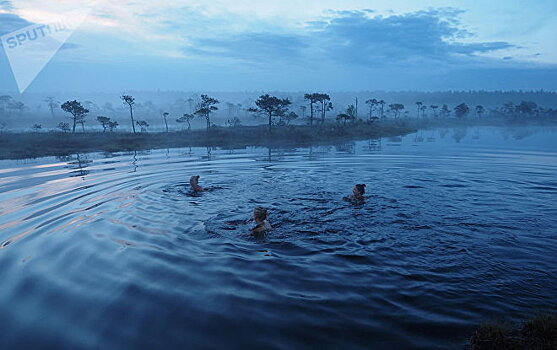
(116, 248)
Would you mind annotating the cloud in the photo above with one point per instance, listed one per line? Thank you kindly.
(10, 23)
(256, 47)
(356, 37)
(6, 5)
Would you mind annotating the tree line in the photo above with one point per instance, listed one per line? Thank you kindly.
(278, 111)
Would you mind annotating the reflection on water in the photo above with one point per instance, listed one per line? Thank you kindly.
(373, 145)
(458, 227)
(78, 163)
(346, 147)
(460, 133)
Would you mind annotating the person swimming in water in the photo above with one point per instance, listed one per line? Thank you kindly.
(357, 193)
(194, 183)
(260, 218)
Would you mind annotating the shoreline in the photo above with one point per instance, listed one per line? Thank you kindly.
(28, 145)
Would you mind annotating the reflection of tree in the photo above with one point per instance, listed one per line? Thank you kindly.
(187, 152)
(459, 134)
(134, 160)
(65, 158)
(314, 152)
(278, 153)
(518, 133)
(209, 155)
(347, 147)
(395, 139)
(373, 145)
(419, 137)
(78, 163)
(443, 133)
(311, 156)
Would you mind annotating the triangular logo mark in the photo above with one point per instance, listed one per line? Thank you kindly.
(29, 49)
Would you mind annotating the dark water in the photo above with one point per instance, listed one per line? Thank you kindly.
(108, 251)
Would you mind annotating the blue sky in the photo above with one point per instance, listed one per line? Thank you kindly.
(294, 45)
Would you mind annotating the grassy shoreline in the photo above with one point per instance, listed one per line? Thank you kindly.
(41, 144)
(23, 145)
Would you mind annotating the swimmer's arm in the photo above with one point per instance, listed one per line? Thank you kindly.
(197, 188)
(237, 222)
(258, 229)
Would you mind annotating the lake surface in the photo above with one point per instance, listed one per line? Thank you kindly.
(111, 251)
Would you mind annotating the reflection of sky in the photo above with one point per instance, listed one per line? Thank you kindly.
(333, 45)
(499, 139)
(51, 184)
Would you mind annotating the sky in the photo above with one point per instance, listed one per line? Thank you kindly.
(325, 45)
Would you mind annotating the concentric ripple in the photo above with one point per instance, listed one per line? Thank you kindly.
(112, 251)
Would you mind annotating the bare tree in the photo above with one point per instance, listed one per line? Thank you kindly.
(434, 109)
(423, 109)
(52, 104)
(461, 110)
(129, 101)
(349, 115)
(396, 108)
(313, 98)
(303, 109)
(5, 101)
(190, 103)
(326, 105)
(382, 104)
(104, 121)
(289, 117)
(165, 115)
(234, 122)
(479, 111)
(186, 118)
(65, 127)
(271, 106)
(206, 107)
(419, 105)
(77, 111)
(143, 125)
(112, 125)
(372, 103)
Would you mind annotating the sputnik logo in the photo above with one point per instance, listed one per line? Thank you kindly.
(30, 49)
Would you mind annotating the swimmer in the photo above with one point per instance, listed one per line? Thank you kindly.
(357, 193)
(194, 183)
(260, 218)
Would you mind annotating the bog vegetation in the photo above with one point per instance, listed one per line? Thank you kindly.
(315, 117)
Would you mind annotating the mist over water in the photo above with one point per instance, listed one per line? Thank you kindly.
(106, 251)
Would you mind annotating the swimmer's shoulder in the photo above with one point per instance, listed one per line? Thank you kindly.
(267, 225)
(262, 227)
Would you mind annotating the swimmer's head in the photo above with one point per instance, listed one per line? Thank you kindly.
(194, 184)
(260, 214)
(194, 180)
(359, 189)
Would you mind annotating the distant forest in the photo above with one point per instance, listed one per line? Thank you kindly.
(175, 110)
